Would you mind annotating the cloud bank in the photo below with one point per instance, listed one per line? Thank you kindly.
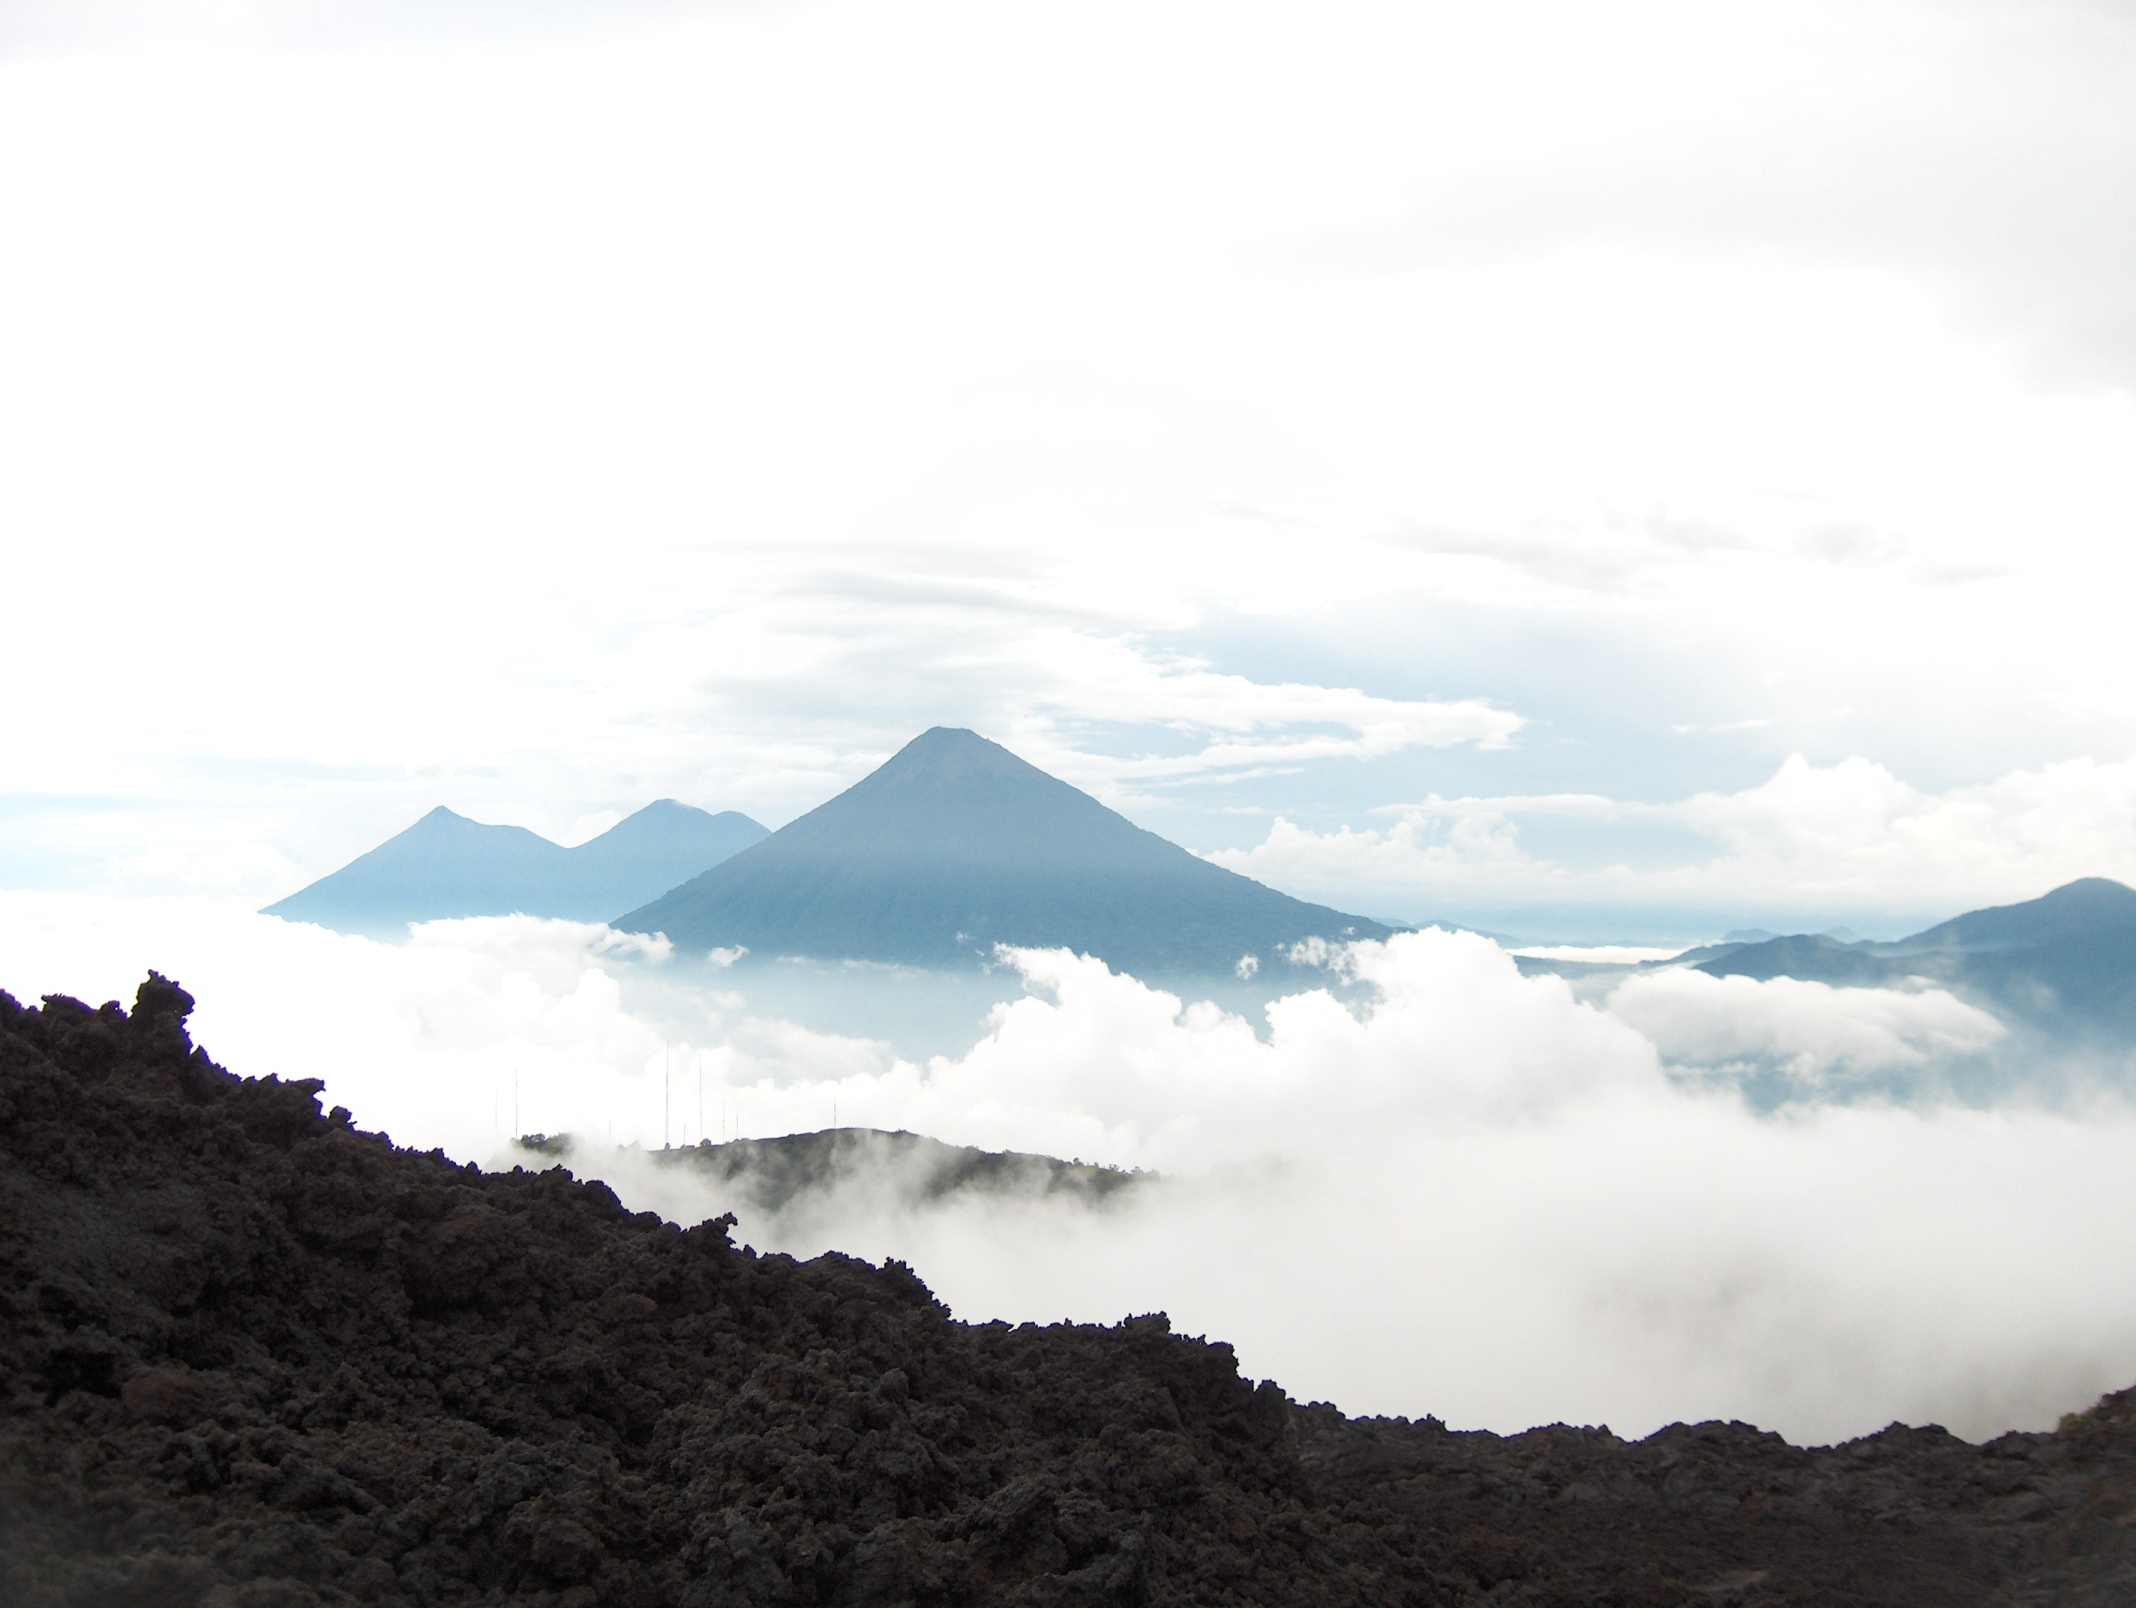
(1812, 840)
(1431, 1186)
(1812, 1033)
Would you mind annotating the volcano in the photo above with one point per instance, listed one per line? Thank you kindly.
(956, 845)
(446, 865)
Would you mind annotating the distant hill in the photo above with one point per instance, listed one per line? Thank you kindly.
(2089, 907)
(765, 1177)
(446, 865)
(2065, 959)
(956, 845)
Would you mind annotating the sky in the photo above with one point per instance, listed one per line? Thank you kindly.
(1591, 473)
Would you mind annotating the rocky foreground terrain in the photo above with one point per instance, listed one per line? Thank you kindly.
(254, 1358)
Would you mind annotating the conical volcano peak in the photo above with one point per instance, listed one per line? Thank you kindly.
(946, 754)
(953, 801)
(443, 819)
(954, 845)
(939, 740)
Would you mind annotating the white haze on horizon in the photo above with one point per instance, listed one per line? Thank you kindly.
(1457, 1191)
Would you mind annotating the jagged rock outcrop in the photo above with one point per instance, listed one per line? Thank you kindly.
(254, 1358)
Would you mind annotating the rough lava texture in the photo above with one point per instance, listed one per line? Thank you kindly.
(254, 1358)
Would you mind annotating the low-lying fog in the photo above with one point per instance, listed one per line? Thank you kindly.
(1411, 1181)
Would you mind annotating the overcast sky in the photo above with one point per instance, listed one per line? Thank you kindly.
(1530, 463)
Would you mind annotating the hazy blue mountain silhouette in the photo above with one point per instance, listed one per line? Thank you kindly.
(956, 845)
(2065, 959)
(2087, 908)
(446, 865)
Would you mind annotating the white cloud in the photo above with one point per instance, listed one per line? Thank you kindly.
(1258, 725)
(1470, 1195)
(72, 25)
(1810, 1031)
(1060, 693)
(1813, 838)
(1855, 831)
(1411, 858)
(1598, 954)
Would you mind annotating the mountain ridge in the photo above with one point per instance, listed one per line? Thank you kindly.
(2066, 960)
(447, 865)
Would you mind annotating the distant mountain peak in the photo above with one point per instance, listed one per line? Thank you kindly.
(949, 739)
(2065, 961)
(2087, 904)
(952, 753)
(447, 865)
(955, 844)
(2095, 893)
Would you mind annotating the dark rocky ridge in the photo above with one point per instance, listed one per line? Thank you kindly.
(253, 1358)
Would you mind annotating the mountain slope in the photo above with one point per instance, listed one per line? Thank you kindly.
(2088, 907)
(446, 865)
(956, 845)
(647, 853)
(2066, 960)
